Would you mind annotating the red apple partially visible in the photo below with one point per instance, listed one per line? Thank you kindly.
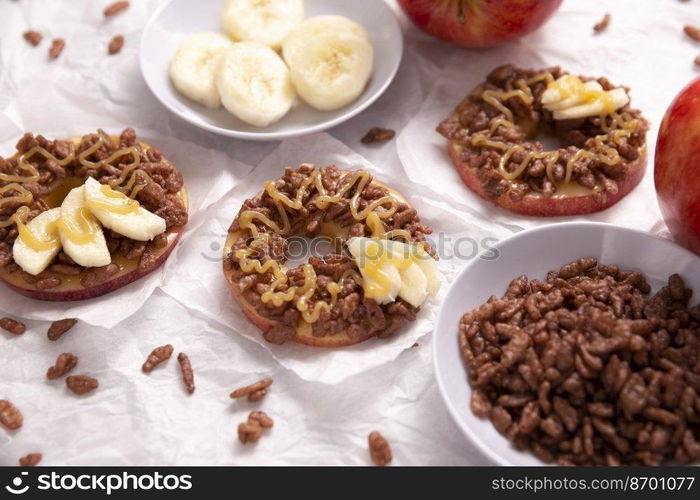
(479, 23)
(677, 169)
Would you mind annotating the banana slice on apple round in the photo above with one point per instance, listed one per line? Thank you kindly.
(81, 234)
(414, 285)
(255, 84)
(120, 213)
(193, 68)
(34, 258)
(330, 69)
(264, 21)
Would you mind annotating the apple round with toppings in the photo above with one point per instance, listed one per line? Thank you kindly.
(380, 272)
(82, 217)
(495, 141)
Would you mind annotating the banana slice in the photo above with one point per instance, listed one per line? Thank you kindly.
(568, 98)
(414, 285)
(331, 69)
(429, 266)
(81, 235)
(254, 84)
(555, 97)
(295, 43)
(193, 68)
(382, 280)
(264, 21)
(120, 213)
(415, 288)
(33, 252)
(610, 101)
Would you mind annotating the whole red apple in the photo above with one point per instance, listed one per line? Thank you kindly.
(479, 23)
(677, 169)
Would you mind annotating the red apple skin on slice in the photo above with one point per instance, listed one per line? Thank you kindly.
(75, 291)
(550, 207)
(71, 289)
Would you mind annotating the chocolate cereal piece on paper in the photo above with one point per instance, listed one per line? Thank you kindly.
(10, 416)
(603, 24)
(64, 363)
(33, 37)
(115, 8)
(30, 460)
(57, 46)
(58, 328)
(81, 384)
(187, 372)
(251, 430)
(254, 392)
(115, 45)
(379, 449)
(157, 356)
(12, 326)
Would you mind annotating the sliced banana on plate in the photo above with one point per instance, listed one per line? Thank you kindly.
(295, 43)
(81, 234)
(193, 67)
(38, 242)
(255, 84)
(120, 213)
(333, 68)
(264, 21)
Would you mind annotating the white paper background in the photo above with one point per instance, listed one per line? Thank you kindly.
(324, 402)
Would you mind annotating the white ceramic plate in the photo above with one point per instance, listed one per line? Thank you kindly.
(177, 19)
(533, 253)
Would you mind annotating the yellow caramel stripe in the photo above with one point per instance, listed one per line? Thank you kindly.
(130, 173)
(619, 126)
(122, 204)
(571, 85)
(80, 230)
(23, 196)
(20, 219)
(372, 214)
(495, 98)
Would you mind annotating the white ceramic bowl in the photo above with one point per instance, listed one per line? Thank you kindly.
(533, 253)
(177, 19)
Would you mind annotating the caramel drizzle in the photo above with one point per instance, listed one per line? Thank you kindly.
(381, 208)
(23, 195)
(127, 183)
(619, 126)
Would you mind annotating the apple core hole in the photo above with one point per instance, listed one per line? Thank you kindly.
(550, 141)
(300, 248)
(60, 190)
